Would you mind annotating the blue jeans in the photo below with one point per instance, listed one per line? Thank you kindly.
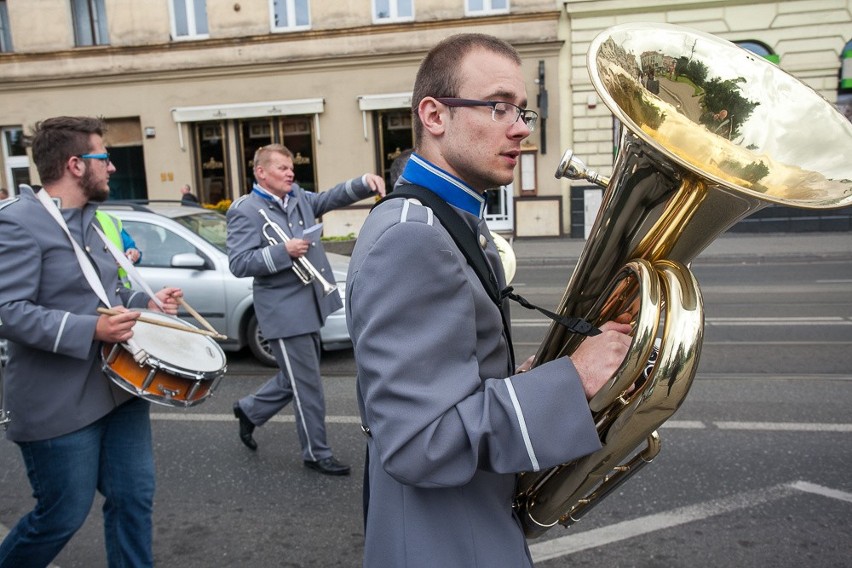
(114, 456)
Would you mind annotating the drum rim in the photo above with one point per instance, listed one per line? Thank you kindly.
(157, 361)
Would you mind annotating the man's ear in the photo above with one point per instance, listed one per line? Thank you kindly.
(432, 116)
(75, 166)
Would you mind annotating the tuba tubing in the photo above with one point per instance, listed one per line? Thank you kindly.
(684, 173)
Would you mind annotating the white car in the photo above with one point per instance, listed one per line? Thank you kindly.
(184, 246)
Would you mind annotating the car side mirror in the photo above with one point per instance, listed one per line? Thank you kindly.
(188, 260)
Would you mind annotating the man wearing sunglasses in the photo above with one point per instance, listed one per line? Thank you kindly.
(78, 432)
(449, 420)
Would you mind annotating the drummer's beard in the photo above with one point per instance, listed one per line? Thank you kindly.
(95, 190)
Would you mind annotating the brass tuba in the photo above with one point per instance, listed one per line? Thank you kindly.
(710, 133)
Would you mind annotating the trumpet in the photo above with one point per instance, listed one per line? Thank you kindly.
(303, 268)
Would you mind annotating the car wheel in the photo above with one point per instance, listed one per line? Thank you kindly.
(258, 345)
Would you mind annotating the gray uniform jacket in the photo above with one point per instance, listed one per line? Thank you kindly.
(450, 426)
(284, 306)
(53, 381)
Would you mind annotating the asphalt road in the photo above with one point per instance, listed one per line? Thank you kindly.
(753, 471)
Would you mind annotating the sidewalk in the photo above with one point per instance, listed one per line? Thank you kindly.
(728, 247)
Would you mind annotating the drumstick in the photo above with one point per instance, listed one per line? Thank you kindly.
(196, 315)
(171, 325)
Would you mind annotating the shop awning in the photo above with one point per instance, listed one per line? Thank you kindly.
(233, 111)
(247, 110)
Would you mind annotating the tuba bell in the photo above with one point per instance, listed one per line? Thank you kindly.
(710, 133)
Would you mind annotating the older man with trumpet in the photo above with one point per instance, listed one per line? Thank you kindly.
(293, 293)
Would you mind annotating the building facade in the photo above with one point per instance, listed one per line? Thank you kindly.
(191, 88)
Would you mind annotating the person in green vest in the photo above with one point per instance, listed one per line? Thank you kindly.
(116, 233)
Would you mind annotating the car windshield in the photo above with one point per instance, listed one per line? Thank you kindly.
(209, 225)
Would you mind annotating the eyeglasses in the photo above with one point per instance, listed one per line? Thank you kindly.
(502, 112)
(102, 157)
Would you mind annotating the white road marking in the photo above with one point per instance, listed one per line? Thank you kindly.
(195, 417)
(728, 321)
(671, 424)
(579, 541)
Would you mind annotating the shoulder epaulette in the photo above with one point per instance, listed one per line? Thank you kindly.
(7, 202)
(239, 200)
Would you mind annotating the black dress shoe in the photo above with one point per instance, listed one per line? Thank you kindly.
(328, 466)
(246, 427)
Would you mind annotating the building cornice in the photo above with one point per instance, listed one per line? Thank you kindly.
(599, 8)
(265, 53)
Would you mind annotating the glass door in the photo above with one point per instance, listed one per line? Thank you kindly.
(395, 135)
(211, 144)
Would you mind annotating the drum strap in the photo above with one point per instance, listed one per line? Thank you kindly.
(128, 266)
(86, 266)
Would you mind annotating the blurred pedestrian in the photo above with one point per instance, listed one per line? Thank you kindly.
(187, 197)
(397, 166)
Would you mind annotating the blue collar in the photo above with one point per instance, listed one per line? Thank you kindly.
(451, 189)
(263, 194)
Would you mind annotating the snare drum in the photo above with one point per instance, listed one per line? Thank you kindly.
(164, 365)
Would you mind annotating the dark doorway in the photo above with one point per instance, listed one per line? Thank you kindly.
(128, 181)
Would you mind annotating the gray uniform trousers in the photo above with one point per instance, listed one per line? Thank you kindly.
(299, 381)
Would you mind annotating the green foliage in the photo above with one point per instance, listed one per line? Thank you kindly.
(349, 237)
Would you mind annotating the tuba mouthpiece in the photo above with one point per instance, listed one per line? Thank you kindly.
(572, 167)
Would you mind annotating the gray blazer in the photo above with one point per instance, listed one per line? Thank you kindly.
(284, 306)
(450, 424)
(54, 382)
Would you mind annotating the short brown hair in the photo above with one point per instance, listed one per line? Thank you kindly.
(261, 156)
(438, 76)
(57, 139)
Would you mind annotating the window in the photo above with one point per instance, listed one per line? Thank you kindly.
(5, 34)
(393, 11)
(90, 23)
(844, 86)
(15, 159)
(189, 19)
(760, 49)
(158, 245)
(485, 7)
(289, 15)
